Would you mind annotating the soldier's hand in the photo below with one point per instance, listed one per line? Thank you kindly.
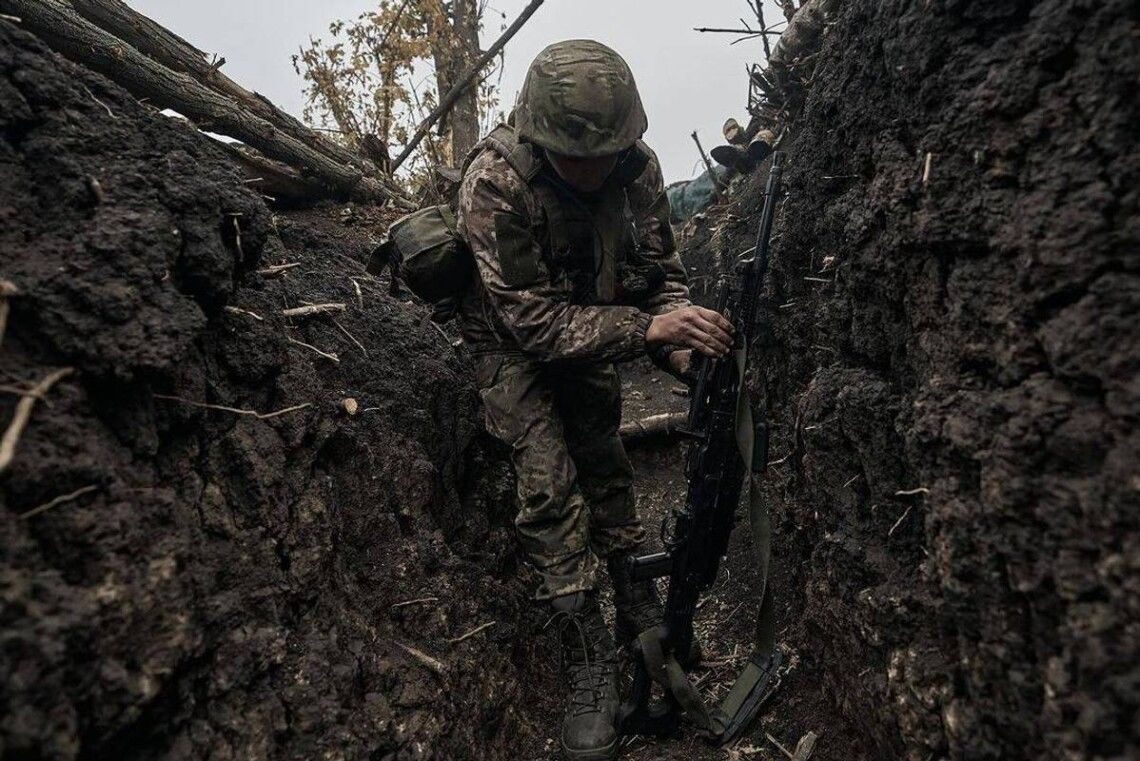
(694, 327)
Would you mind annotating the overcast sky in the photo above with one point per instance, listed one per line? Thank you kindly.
(688, 80)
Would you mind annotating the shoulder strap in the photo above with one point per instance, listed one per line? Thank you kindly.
(504, 140)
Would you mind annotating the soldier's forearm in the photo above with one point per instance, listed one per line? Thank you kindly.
(574, 332)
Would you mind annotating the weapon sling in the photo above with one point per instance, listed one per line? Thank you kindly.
(728, 447)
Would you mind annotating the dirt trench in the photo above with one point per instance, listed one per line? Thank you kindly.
(221, 584)
(953, 369)
(953, 305)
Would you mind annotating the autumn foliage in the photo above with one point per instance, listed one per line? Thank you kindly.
(375, 77)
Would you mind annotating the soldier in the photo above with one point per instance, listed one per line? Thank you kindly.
(567, 218)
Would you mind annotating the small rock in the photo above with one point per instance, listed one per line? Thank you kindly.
(349, 405)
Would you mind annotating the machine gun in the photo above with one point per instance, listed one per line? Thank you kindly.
(727, 447)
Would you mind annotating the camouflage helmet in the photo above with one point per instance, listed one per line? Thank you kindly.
(579, 99)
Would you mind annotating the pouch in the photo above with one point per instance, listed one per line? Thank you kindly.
(426, 253)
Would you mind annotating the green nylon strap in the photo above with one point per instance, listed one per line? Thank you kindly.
(665, 671)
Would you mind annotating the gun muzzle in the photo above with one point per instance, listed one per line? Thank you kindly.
(650, 566)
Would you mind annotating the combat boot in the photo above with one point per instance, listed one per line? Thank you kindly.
(639, 607)
(589, 663)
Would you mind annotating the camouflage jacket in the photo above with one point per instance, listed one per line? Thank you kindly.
(541, 288)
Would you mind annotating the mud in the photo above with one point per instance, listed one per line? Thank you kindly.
(232, 586)
(952, 369)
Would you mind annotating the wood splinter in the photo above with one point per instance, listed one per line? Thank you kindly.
(436, 665)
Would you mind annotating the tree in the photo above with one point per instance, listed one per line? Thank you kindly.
(371, 83)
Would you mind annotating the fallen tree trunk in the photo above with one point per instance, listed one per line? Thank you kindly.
(81, 41)
(172, 51)
(277, 181)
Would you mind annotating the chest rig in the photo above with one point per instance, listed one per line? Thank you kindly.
(587, 240)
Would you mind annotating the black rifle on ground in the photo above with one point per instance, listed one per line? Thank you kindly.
(727, 448)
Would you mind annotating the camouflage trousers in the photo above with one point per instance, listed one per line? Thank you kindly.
(574, 480)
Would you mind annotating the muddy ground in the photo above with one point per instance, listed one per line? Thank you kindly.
(951, 368)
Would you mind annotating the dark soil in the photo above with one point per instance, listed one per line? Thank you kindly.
(953, 372)
(228, 588)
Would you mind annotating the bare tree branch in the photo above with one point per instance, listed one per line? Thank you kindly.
(448, 100)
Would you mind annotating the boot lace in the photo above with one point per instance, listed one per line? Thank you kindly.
(586, 669)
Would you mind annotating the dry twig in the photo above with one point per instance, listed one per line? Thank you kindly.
(900, 520)
(309, 309)
(776, 742)
(351, 337)
(110, 113)
(274, 270)
(24, 413)
(327, 355)
(239, 310)
(235, 410)
(910, 492)
(63, 498)
(442, 332)
(18, 391)
(733, 613)
(472, 633)
(416, 601)
(780, 461)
